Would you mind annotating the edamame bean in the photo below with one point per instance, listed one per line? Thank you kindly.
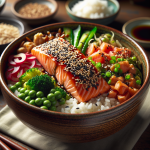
(32, 93)
(39, 94)
(47, 103)
(38, 101)
(27, 99)
(13, 88)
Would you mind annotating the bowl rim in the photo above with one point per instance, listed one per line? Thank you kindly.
(119, 106)
(131, 21)
(16, 21)
(34, 18)
(91, 19)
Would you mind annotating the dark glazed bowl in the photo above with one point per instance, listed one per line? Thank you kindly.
(77, 127)
(35, 21)
(13, 22)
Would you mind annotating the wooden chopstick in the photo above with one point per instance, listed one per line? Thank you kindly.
(4, 146)
(11, 143)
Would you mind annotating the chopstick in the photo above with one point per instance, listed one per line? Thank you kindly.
(4, 146)
(11, 143)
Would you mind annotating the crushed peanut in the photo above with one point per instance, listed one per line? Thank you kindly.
(34, 10)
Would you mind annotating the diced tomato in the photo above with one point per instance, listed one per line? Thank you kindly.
(120, 52)
(105, 47)
(100, 57)
(92, 48)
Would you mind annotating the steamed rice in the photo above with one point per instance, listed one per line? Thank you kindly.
(92, 9)
(72, 105)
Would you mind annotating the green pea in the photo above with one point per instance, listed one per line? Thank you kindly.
(119, 59)
(111, 61)
(127, 77)
(108, 74)
(22, 90)
(43, 107)
(53, 108)
(137, 78)
(62, 101)
(39, 94)
(51, 97)
(117, 65)
(68, 97)
(52, 91)
(19, 89)
(98, 65)
(27, 92)
(109, 81)
(18, 84)
(38, 101)
(122, 59)
(138, 82)
(32, 102)
(103, 75)
(13, 88)
(57, 95)
(53, 103)
(116, 70)
(43, 99)
(32, 93)
(47, 103)
(27, 99)
(134, 58)
(21, 96)
(90, 58)
(113, 57)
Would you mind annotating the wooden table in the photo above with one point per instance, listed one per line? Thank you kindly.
(129, 10)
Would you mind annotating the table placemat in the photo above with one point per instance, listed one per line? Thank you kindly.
(125, 139)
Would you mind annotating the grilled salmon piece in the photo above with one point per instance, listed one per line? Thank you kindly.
(71, 69)
(78, 90)
(46, 61)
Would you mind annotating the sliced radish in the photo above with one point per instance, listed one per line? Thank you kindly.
(20, 61)
(37, 63)
(10, 60)
(16, 70)
(10, 69)
(20, 73)
(25, 66)
(28, 55)
(31, 58)
(33, 64)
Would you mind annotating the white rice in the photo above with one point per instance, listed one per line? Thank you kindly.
(92, 9)
(72, 105)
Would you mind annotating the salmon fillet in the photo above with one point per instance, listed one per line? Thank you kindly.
(71, 69)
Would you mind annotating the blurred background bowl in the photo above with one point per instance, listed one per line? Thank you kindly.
(35, 21)
(141, 22)
(13, 22)
(103, 21)
(2, 4)
(76, 127)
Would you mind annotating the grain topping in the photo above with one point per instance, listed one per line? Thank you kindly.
(34, 10)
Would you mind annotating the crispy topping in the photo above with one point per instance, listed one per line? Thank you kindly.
(75, 62)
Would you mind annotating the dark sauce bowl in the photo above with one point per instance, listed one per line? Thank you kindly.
(76, 127)
(139, 30)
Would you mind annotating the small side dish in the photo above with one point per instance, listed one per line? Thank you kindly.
(74, 71)
(34, 10)
(92, 9)
(6, 31)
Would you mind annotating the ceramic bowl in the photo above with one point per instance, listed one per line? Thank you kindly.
(103, 21)
(35, 21)
(76, 127)
(2, 5)
(129, 26)
(13, 22)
